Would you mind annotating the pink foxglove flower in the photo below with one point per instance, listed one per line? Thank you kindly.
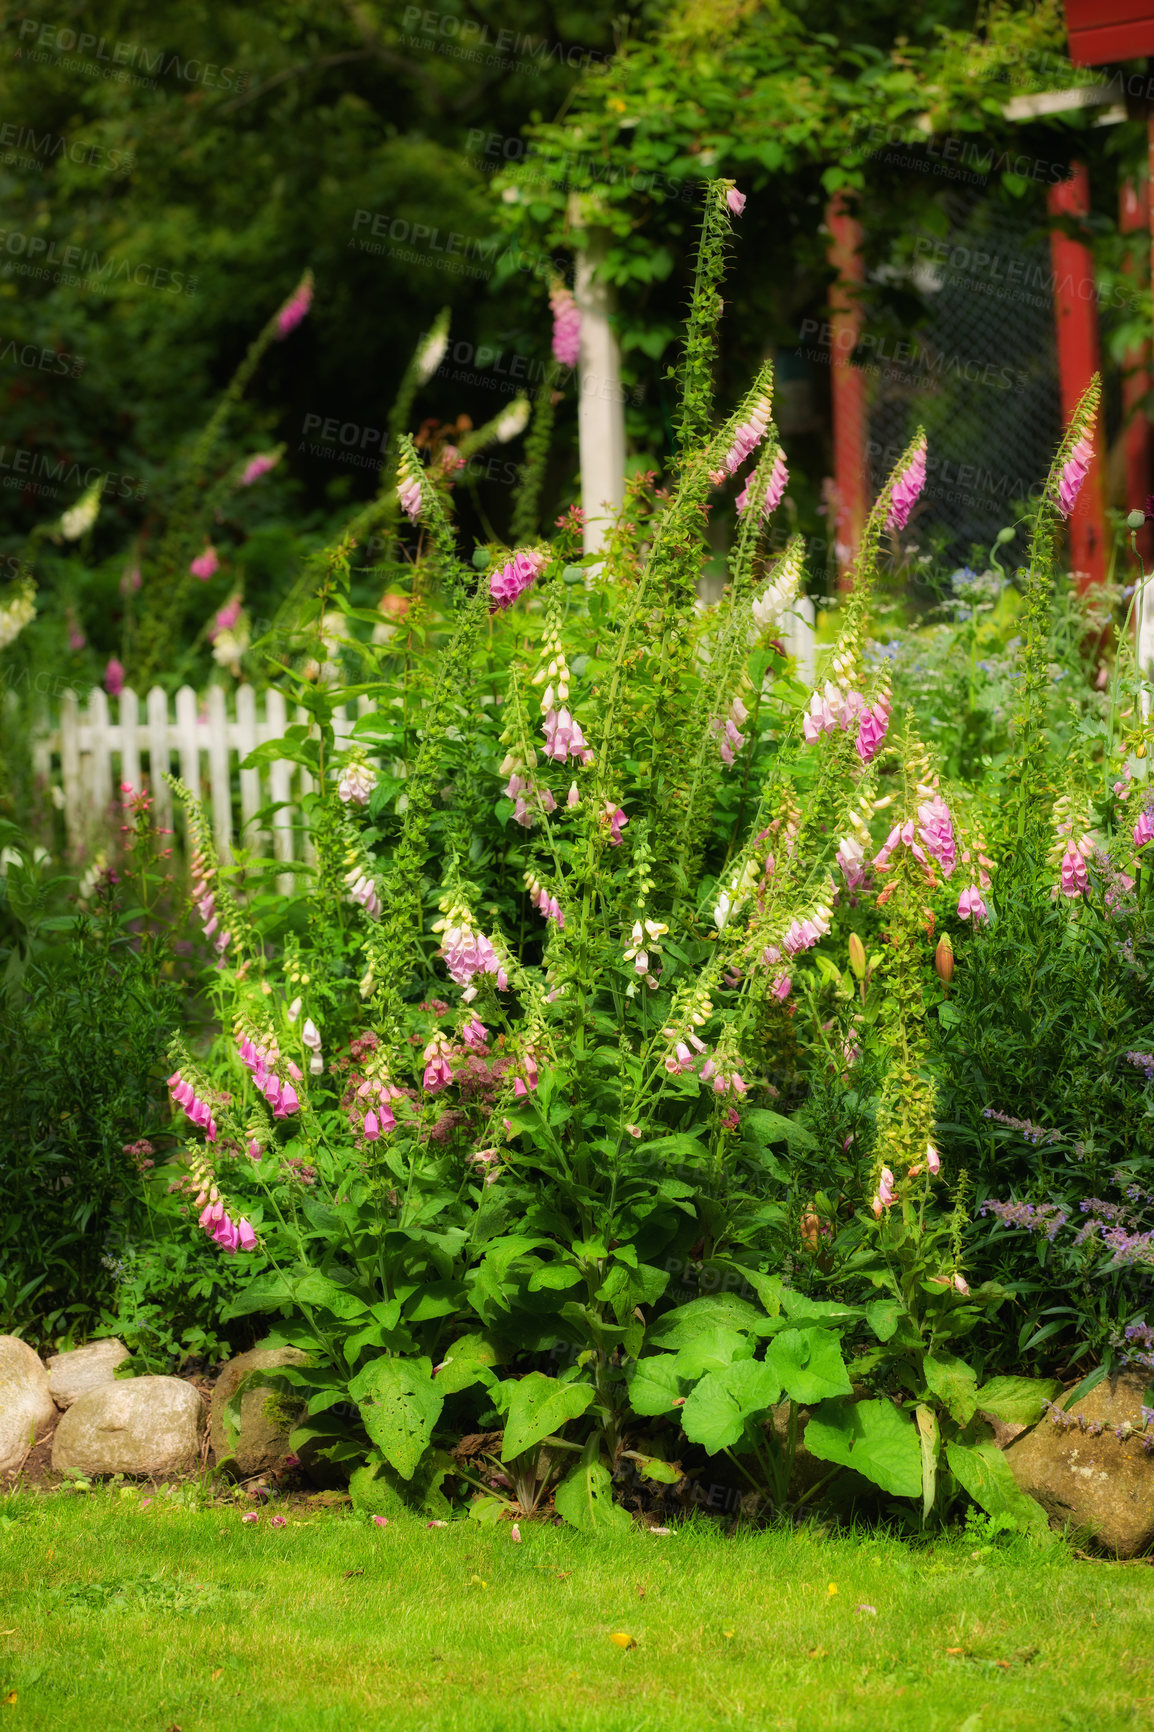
(206, 564)
(573, 797)
(970, 903)
(357, 784)
(295, 307)
(937, 832)
(961, 1284)
(775, 487)
(566, 326)
(746, 439)
(886, 1188)
(409, 496)
(1074, 881)
(851, 859)
(563, 737)
(438, 1072)
(735, 201)
(516, 576)
(258, 466)
(782, 987)
(873, 724)
(1143, 829)
(907, 488)
(363, 891)
(933, 1159)
(616, 820)
(1074, 472)
(114, 678)
(475, 1034)
(467, 952)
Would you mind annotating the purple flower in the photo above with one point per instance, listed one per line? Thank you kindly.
(516, 576)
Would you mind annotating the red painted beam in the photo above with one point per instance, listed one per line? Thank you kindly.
(1076, 315)
(1104, 30)
(1134, 219)
(847, 385)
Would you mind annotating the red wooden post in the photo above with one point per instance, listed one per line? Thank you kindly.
(1134, 218)
(1078, 359)
(847, 385)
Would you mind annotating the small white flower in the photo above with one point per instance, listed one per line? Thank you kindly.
(513, 421)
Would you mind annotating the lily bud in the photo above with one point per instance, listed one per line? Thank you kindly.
(944, 960)
(857, 956)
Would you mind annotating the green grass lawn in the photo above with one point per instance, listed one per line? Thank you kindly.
(120, 1614)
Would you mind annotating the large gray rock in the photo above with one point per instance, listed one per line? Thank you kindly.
(150, 1426)
(72, 1374)
(1101, 1485)
(267, 1416)
(26, 1406)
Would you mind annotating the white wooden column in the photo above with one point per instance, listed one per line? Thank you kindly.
(601, 407)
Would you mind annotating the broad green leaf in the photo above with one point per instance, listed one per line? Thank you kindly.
(655, 1385)
(585, 1500)
(711, 1351)
(954, 1383)
(653, 1467)
(982, 1470)
(930, 1438)
(718, 1310)
(883, 1317)
(1017, 1400)
(716, 1413)
(875, 1438)
(379, 1490)
(539, 1406)
(400, 1404)
(771, 1128)
(466, 1362)
(317, 1292)
(809, 1364)
(268, 1292)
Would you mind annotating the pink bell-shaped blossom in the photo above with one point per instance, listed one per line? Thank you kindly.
(970, 903)
(516, 576)
(873, 723)
(1074, 880)
(114, 678)
(206, 564)
(409, 496)
(295, 308)
(566, 326)
(1074, 472)
(258, 466)
(907, 488)
(734, 201)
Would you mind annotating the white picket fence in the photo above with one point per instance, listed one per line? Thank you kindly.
(90, 755)
(204, 740)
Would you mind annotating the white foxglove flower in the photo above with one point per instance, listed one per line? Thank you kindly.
(513, 421)
(79, 518)
(432, 351)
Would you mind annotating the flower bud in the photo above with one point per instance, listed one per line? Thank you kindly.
(944, 960)
(857, 956)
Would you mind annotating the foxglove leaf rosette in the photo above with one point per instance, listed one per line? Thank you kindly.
(907, 488)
